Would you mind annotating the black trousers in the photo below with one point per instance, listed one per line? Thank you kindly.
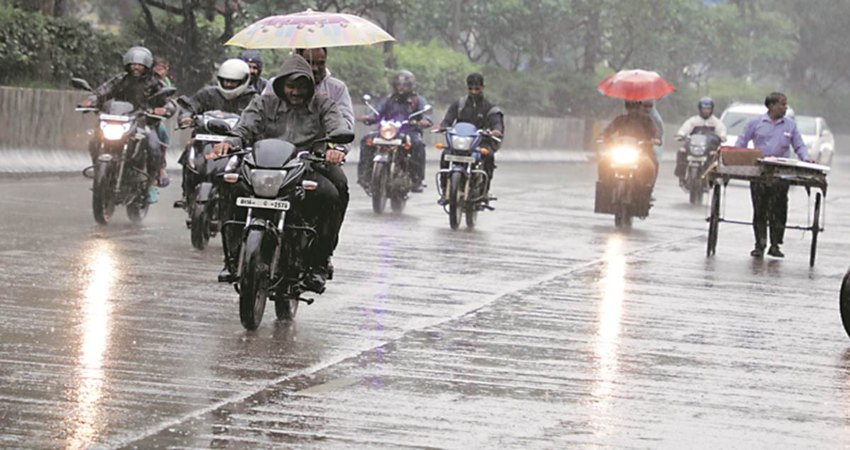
(416, 168)
(321, 207)
(336, 176)
(770, 210)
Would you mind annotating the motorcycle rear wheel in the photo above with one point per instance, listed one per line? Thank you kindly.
(103, 204)
(253, 284)
(137, 210)
(397, 203)
(844, 303)
(455, 206)
(285, 308)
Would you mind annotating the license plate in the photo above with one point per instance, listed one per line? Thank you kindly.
(381, 141)
(251, 202)
(209, 138)
(459, 159)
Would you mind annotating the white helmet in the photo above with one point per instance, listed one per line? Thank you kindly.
(234, 70)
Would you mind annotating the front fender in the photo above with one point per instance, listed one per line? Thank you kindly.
(204, 191)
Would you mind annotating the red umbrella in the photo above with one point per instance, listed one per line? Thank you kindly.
(635, 85)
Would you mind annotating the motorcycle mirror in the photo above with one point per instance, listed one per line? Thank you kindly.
(420, 112)
(80, 83)
(164, 93)
(218, 126)
(367, 98)
(341, 137)
(185, 103)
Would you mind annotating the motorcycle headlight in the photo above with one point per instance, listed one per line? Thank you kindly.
(114, 131)
(267, 183)
(388, 131)
(461, 142)
(697, 150)
(624, 155)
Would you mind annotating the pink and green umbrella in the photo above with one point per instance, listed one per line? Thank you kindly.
(309, 29)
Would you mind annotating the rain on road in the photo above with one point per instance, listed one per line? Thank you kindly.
(543, 327)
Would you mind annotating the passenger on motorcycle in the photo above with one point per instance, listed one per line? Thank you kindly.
(255, 61)
(477, 110)
(637, 124)
(135, 86)
(400, 104)
(296, 115)
(160, 70)
(231, 93)
(705, 120)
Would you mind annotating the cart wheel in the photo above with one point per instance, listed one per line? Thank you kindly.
(815, 230)
(844, 303)
(713, 222)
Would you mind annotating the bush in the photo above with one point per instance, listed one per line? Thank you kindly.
(440, 72)
(39, 50)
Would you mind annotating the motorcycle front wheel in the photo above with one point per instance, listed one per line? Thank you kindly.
(379, 188)
(695, 186)
(200, 225)
(253, 284)
(102, 201)
(844, 303)
(622, 215)
(455, 202)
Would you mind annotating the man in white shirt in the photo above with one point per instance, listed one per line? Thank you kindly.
(702, 123)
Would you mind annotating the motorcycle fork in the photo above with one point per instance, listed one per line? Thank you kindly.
(121, 169)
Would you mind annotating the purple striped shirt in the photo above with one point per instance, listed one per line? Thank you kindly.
(774, 138)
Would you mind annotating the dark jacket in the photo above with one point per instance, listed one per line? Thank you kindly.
(135, 90)
(637, 125)
(400, 107)
(479, 112)
(210, 99)
(271, 116)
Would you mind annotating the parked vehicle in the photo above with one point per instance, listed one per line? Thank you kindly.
(818, 138)
(463, 185)
(204, 204)
(737, 115)
(118, 173)
(271, 185)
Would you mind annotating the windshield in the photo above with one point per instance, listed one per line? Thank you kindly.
(736, 121)
(807, 125)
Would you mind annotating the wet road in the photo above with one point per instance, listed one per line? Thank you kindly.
(542, 328)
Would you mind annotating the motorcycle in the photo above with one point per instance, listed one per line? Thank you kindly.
(204, 204)
(270, 184)
(121, 150)
(617, 190)
(390, 165)
(701, 149)
(463, 185)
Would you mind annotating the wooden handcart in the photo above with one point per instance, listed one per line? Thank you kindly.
(740, 164)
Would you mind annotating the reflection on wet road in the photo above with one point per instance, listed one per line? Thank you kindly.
(542, 328)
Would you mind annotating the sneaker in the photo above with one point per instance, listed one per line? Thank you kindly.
(315, 280)
(757, 252)
(226, 276)
(153, 195)
(775, 252)
(180, 203)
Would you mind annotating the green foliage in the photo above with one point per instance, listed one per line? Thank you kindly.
(39, 50)
(440, 72)
(362, 68)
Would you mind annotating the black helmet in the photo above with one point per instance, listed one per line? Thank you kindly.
(252, 56)
(403, 81)
(705, 102)
(138, 55)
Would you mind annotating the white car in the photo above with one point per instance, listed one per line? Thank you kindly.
(818, 138)
(815, 133)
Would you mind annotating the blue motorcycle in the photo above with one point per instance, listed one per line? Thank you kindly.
(462, 182)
